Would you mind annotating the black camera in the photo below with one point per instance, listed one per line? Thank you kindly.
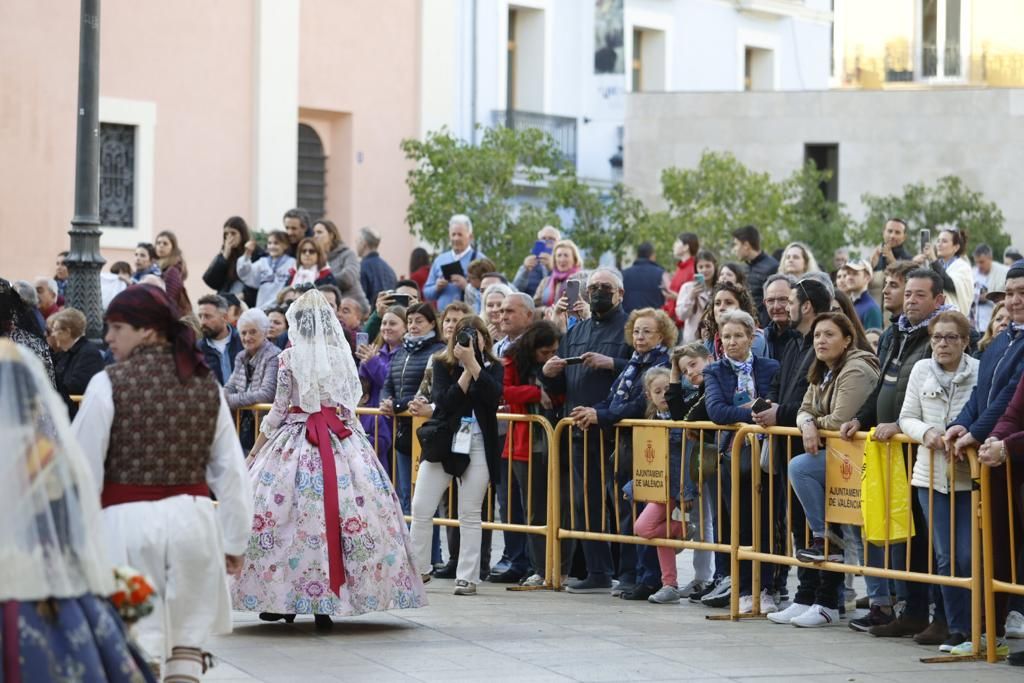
(465, 337)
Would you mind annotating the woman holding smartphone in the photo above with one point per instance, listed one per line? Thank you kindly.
(695, 295)
(466, 393)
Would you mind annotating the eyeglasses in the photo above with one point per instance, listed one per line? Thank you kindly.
(947, 338)
(783, 301)
(308, 251)
(601, 287)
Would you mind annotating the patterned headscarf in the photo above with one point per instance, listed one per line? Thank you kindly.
(146, 306)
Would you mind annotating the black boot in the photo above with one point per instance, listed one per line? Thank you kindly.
(323, 622)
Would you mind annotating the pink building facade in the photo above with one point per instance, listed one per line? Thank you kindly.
(210, 97)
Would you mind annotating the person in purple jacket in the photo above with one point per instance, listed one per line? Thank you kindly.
(375, 363)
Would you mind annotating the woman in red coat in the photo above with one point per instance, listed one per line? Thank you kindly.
(685, 250)
(523, 395)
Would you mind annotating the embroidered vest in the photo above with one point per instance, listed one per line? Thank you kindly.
(163, 430)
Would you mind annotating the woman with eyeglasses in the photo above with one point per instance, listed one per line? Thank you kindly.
(938, 389)
(311, 268)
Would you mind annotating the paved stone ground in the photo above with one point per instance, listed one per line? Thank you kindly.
(500, 635)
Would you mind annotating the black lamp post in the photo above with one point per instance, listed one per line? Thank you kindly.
(84, 260)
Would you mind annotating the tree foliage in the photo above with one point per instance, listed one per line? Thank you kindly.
(722, 194)
(948, 202)
(511, 184)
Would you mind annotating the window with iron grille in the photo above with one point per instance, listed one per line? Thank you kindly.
(312, 181)
(117, 175)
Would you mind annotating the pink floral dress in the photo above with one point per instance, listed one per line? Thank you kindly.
(286, 566)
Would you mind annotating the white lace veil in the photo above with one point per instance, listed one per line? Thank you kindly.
(50, 539)
(320, 359)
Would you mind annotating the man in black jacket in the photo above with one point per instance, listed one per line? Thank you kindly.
(905, 342)
(780, 331)
(220, 343)
(746, 244)
(600, 343)
(807, 300)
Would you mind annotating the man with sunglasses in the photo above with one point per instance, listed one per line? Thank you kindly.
(600, 343)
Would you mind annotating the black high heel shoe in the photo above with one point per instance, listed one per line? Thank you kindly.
(274, 616)
(323, 622)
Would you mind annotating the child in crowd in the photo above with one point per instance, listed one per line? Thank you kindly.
(270, 273)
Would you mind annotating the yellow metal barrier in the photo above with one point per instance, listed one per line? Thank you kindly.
(754, 553)
(991, 497)
(587, 533)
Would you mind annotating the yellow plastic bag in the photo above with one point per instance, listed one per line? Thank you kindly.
(885, 493)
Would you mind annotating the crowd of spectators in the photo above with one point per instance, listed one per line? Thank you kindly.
(925, 344)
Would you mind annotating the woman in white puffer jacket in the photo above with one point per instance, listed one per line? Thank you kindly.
(938, 388)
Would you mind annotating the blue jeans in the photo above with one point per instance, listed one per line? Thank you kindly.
(956, 601)
(807, 477)
(403, 481)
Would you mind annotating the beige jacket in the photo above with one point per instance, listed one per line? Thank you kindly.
(841, 398)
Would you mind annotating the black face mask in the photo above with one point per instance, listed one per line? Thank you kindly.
(601, 301)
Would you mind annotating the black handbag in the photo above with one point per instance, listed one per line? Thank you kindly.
(436, 437)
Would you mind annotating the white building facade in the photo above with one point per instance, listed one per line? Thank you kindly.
(567, 66)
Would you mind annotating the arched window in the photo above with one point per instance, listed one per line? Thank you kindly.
(312, 182)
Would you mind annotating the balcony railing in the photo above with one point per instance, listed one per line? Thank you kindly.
(561, 128)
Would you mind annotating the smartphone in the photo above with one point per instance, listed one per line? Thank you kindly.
(540, 247)
(400, 300)
(362, 339)
(926, 237)
(760, 405)
(699, 279)
(572, 292)
(573, 360)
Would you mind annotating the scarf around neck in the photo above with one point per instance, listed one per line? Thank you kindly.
(635, 370)
(906, 327)
(744, 374)
(558, 278)
(413, 344)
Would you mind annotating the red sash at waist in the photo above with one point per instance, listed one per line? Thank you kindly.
(319, 427)
(115, 494)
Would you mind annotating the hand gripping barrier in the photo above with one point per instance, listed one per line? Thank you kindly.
(783, 555)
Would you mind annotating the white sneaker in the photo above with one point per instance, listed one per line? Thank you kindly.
(789, 614)
(746, 604)
(534, 580)
(1014, 624)
(768, 603)
(666, 595)
(816, 617)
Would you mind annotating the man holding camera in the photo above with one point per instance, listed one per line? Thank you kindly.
(590, 356)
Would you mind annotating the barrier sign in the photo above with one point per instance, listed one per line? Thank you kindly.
(843, 467)
(650, 464)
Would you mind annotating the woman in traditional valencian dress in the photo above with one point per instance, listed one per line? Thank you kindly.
(362, 562)
(55, 621)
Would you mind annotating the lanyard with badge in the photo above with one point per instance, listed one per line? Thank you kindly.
(464, 437)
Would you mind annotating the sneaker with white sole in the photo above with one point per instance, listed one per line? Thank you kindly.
(720, 595)
(1014, 624)
(666, 595)
(966, 648)
(768, 604)
(463, 587)
(695, 586)
(533, 580)
(816, 617)
(789, 614)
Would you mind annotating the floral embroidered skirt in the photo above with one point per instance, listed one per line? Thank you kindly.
(286, 564)
(67, 639)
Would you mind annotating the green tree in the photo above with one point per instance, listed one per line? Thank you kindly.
(722, 194)
(599, 221)
(451, 176)
(948, 202)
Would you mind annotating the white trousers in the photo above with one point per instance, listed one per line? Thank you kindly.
(432, 483)
(177, 544)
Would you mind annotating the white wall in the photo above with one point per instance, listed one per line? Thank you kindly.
(886, 139)
(704, 42)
